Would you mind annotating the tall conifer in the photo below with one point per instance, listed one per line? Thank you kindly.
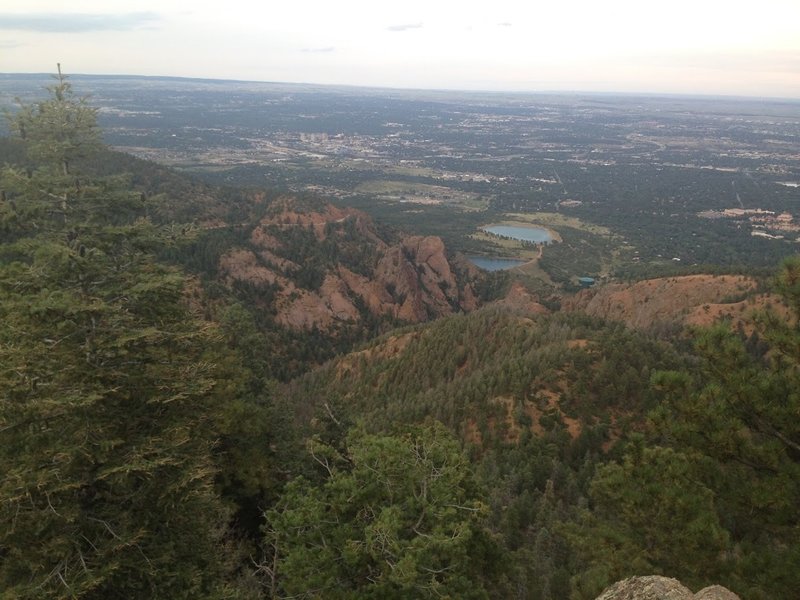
(106, 391)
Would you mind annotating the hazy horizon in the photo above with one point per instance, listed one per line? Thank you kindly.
(434, 90)
(683, 47)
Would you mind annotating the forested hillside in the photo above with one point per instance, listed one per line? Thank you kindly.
(117, 398)
(220, 393)
(601, 452)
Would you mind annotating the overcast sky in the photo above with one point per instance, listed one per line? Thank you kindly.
(676, 46)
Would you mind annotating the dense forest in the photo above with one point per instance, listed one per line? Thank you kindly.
(161, 437)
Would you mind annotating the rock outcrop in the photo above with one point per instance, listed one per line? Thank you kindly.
(683, 299)
(715, 592)
(655, 587)
(410, 279)
(521, 299)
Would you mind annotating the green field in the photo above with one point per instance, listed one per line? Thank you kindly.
(420, 193)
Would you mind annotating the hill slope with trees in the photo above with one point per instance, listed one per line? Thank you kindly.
(114, 393)
(147, 450)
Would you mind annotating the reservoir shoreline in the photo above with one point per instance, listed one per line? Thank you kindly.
(518, 231)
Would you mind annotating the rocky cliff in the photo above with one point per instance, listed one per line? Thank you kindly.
(323, 267)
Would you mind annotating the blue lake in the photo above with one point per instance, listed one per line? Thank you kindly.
(495, 264)
(527, 234)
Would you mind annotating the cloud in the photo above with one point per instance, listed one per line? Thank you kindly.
(404, 27)
(8, 44)
(319, 50)
(77, 22)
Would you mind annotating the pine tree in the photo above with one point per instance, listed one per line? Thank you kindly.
(741, 416)
(106, 408)
(395, 517)
(715, 499)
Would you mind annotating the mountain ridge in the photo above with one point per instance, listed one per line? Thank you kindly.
(346, 271)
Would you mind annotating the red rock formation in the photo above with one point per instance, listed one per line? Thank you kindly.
(412, 280)
(302, 309)
(645, 303)
(243, 265)
(519, 298)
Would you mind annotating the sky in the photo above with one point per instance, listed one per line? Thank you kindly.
(727, 47)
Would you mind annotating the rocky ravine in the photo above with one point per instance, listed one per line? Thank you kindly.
(410, 279)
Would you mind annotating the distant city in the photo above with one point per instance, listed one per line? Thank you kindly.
(672, 177)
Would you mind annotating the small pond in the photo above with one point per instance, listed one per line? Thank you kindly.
(526, 234)
(495, 264)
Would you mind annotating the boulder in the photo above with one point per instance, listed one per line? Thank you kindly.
(715, 592)
(652, 587)
(656, 587)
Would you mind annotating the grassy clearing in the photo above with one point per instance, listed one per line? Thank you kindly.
(420, 193)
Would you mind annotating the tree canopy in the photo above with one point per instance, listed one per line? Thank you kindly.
(495, 454)
(395, 516)
(109, 385)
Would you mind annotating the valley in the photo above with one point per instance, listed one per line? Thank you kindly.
(375, 343)
(665, 175)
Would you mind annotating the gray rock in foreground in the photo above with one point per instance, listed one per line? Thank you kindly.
(655, 587)
(715, 592)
